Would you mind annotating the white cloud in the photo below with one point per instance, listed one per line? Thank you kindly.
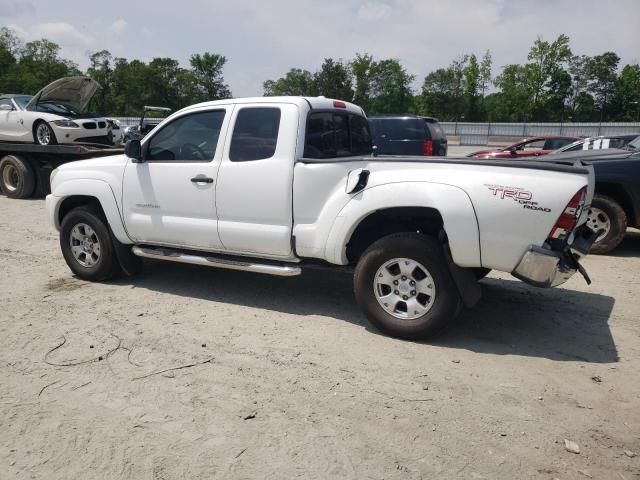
(119, 25)
(14, 8)
(373, 12)
(60, 32)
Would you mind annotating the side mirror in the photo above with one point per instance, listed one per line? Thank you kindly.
(513, 150)
(133, 150)
(5, 108)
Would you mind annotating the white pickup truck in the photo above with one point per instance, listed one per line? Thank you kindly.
(275, 185)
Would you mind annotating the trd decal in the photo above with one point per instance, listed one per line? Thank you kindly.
(519, 195)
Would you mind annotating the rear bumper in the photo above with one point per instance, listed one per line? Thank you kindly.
(543, 267)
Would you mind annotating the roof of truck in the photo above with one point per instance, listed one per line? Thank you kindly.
(314, 103)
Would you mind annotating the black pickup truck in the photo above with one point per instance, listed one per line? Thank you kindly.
(616, 204)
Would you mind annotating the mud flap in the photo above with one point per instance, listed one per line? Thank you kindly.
(465, 280)
(130, 263)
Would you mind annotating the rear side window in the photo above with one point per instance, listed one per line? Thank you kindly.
(331, 135)
(255, 134)
(399, 129)
(556, 143)
(435, 129)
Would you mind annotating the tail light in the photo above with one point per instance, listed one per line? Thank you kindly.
(569, 217)
(427, 148)
(339, 104)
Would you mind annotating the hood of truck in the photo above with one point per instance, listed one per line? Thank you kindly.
(74, 92)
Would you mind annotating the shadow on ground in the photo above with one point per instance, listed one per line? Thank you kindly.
(630, 246)
(511, 319)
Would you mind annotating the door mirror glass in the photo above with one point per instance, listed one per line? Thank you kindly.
(133, 150)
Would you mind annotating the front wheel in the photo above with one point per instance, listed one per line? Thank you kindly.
(43, 134)
(608, 220)
(403, 286)
(86, 245)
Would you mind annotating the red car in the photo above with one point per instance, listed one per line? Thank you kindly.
(529, 147)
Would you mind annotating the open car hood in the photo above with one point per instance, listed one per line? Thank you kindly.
(74, 92)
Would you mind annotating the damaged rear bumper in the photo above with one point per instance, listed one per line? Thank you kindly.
(543, 267)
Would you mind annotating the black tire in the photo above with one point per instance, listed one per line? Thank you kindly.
(481, 272)
(106, 266)
(608, 210)
(17, 178)
(52, 135)
(427, 252)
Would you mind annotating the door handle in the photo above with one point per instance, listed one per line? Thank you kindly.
(202, 180)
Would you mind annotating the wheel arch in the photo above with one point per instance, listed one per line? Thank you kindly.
(401, 207)
(620, 195)
(89, 192)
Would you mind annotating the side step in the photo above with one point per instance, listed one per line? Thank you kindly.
(194, 258)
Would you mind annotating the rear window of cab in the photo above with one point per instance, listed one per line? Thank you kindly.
(336, 134)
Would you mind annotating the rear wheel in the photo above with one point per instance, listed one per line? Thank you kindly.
(608, 220)
(403, 286)
(17, 178)
(43, 134)
(86, 245)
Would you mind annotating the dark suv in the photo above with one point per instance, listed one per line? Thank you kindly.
(408, 135)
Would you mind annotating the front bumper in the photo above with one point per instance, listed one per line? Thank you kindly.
(52, 204)
(543, 267)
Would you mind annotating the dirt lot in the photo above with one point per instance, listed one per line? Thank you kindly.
(187, 372)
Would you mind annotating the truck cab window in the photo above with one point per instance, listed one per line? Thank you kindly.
(255, 134)
(331, 135)
(189, 138)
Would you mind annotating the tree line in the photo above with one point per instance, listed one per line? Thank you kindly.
(553, 85)
(127, 85)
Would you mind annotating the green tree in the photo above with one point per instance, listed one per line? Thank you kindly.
(545, 61)
(390, 87)
(485, 73)
(471, 74)
(437, 94)
(39, 64)
(295, 82)
(333, 80)
(361, 68)
(207, 70)
(580, 103)
(130, 89)
(512, 103)
(602, 72)
(628, 93)
(101, 70)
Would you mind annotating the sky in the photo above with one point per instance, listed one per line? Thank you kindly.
(264, 39)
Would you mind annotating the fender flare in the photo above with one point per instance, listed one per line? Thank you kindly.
(101, 191)
(453, 203)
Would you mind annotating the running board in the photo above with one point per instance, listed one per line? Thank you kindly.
(174, 255)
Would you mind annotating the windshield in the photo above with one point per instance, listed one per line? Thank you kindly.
(634, 144)
(54, 107)
(22, 101)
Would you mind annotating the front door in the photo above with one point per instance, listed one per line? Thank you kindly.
(169, 198)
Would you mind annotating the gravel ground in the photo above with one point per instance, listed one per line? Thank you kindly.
(186, 372)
